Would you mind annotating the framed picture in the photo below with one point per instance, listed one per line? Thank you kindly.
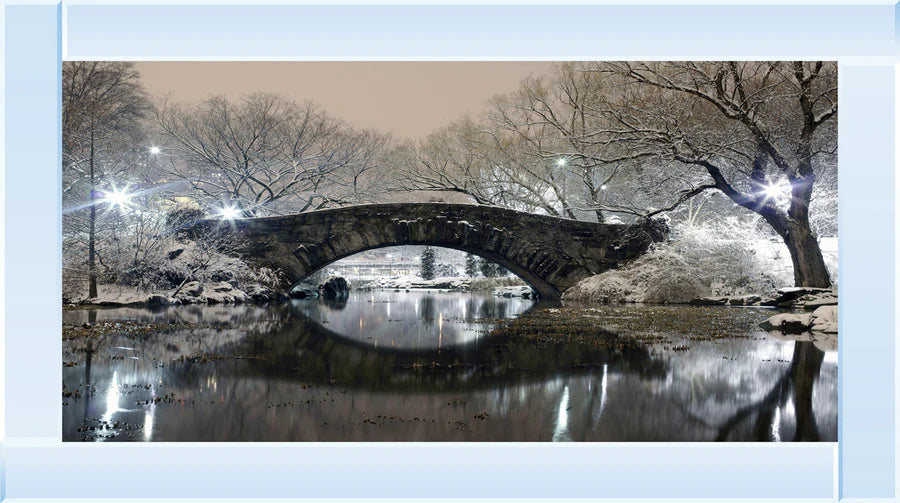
(464, 251)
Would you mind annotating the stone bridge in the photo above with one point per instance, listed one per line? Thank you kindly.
(550, 254)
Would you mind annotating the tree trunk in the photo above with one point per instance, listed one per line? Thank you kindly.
(92, 254)
(809, 265)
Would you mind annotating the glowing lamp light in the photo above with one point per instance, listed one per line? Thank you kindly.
(561, 162)
(230, 213)
(780, 191)
(154, 150)
(117, 197)
(603, 187)
(772, 191)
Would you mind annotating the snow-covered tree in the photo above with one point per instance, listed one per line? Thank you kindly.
(759, 132)
(489, 269)
(268, 154)
(427, 265)
(102, 107)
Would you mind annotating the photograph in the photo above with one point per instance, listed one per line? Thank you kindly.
(449, 251)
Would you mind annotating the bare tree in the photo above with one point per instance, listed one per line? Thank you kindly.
(449, 160)
(489, 166)
(758, 132)
(268, 154)
(536, 149)
(103, 103)
(552, 119)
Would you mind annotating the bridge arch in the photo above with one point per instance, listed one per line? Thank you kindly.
(550, 254)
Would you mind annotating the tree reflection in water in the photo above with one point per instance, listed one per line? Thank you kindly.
(796, 385)
(313, 375)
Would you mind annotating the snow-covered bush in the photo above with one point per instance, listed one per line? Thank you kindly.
(731, 255)
(192, 261)
(719, 258)
(660, 277)
(156, 254)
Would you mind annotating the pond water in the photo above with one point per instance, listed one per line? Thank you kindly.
(429, 366)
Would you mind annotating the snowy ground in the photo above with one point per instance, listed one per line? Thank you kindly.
(774, 252)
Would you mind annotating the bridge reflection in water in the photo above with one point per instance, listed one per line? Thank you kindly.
(305, 374)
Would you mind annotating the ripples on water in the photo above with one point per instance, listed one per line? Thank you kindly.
(424, 366)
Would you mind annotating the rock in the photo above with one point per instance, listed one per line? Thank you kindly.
(817, 302)
(825, 319)
(508, 292)
(190, 293)
(335, 288)
(709, 301)
(222, 287)
(157, 301)
(791, 323)
(221, 276)
(183, 298)
(232, 296)
(223, 293)
(259, 293)
(787, 297)
(769, 301)
(174, 254)
(194, 289)
(797, 291)
(303, 293)
(745, 300)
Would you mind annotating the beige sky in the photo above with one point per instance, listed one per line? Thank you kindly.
(409, 99)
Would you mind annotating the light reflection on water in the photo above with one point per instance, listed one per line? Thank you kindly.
(437, 376)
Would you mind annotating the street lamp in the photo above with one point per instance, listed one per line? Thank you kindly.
(117, 197)
(229, 213)
(780, 192)
(154, 150)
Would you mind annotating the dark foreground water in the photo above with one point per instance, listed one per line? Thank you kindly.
(425, 366)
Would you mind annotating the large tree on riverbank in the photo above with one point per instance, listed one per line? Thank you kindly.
(602, 138)
(758, 132)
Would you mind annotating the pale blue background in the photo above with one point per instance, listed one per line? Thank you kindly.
(35, 464)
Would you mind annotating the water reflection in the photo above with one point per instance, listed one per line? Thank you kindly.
(411, 320)
(561, 432)
(306, 371)
(789, 398)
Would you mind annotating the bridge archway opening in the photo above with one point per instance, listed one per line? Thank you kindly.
(394, 265)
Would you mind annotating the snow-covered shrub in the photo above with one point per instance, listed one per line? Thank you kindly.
(659, 277)
(731, 255)
(720, 258)
(610, 287)
(192, 261)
